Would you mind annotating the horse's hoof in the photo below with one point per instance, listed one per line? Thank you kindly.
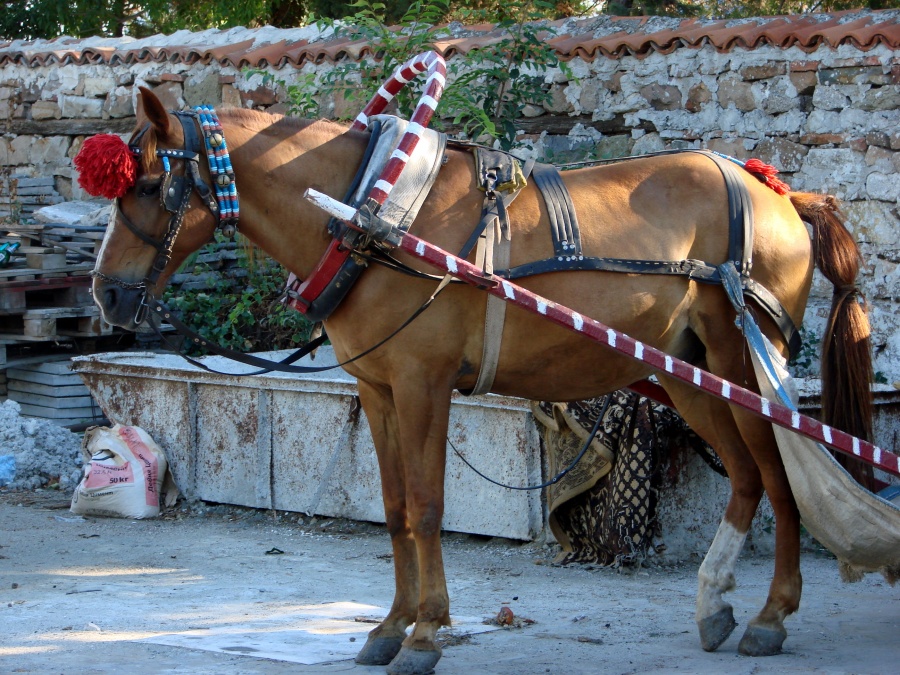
(414, 661)
(762, 641)
(379, 651)
(715, 629)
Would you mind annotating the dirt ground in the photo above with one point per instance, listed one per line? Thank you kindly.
(211, 589)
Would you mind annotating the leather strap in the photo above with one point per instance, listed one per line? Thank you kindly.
(563, 221)
(494, 319)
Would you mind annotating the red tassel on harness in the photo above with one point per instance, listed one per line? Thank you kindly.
(106, 167)
(766, 173)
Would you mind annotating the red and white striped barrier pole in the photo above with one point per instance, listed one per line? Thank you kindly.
(434, 87)
(627, 346)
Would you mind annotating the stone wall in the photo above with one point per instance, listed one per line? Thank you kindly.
(828, 119)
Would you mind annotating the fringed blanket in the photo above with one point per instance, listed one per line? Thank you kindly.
(604, 510)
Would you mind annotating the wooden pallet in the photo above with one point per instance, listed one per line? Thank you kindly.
(80, 242)
(52, 322)
(17, 296)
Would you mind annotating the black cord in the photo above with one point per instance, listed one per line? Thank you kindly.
(558, 477)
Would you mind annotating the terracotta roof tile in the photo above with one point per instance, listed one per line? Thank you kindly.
(585, 38)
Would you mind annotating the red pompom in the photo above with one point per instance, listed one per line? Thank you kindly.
(106, 167)
(766, 173)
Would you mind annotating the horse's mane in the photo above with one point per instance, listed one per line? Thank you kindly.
(254, 119)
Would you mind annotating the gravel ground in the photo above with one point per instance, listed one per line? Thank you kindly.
(79, 596)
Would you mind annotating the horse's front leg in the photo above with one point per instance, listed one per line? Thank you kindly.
(386, 639)
(423, 412)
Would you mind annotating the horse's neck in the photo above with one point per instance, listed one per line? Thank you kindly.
(274, 163)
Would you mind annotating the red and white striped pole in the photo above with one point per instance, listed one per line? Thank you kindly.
(627, 346)
(434, 87)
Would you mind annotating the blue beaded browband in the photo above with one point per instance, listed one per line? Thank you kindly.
(225, 206)
(175, 193)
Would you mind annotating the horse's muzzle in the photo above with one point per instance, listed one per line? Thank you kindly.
(118, 305)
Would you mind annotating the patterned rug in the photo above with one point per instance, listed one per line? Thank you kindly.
(604, 510)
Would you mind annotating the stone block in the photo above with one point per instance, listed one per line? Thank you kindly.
(871, 74)
(740, 94)
(98, 86)
(762, 72)
(878, 138)
(120, 103)
(883, 187)
(261, 96)
(611, 147)
(231, 97)
(874, 221)
(830, 98)
(590, 95)
(697, 96)
(881, 98)
(647, 144)
(80, 107)
(784, 155)
(614, 83)
(559, 102)
(733, 147)
(203, 89)
(49, 150)
(45, 110)
(804, 81)
(662, 96)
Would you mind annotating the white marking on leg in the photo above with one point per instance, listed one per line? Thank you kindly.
(795, 419)
(610, 337)
(826, 432)
(669, 364)
(508, 291)
(696, 376)
(451, 265)
(716, 575)
(639, 351)
(726, 388)
(542, 308)
(420, 248)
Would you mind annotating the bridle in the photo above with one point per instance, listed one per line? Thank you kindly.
(175, 194)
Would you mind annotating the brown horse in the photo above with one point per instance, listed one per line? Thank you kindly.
(663, 208)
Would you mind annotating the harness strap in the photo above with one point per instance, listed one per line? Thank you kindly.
(740, 215)
(498, 231)
(563, 221)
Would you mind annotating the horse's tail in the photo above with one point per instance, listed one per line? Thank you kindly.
(846, 350)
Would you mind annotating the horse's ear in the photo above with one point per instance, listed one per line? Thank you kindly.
(149, 109)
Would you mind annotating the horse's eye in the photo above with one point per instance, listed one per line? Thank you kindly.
(148, 189)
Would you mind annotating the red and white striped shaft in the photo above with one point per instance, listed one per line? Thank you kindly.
(434, 87)
(627, 346)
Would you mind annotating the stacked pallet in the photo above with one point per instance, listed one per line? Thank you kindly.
(20, 196)
(50, 390)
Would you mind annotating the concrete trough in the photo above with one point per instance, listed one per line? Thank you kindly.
(291, 443)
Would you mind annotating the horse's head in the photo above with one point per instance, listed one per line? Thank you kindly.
(165, 208)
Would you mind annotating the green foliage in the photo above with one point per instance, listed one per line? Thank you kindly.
(487, 88)
(243, 314)
(492, 85)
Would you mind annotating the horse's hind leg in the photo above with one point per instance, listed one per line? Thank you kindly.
(766, 633)
(386, 639)
(713, 421)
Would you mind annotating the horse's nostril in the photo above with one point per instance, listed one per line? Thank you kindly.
(110, 297)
